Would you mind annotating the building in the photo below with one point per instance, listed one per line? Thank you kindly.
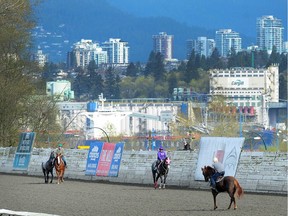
(126, 119)
(117, 51)
(40, 57)
(285, 47)
(249, 89)
(163, 43)
(201, 46)
(226, 40)
(84, 52)
(269, 33)
(60, 90)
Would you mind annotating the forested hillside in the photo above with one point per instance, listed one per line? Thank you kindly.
(66, 22)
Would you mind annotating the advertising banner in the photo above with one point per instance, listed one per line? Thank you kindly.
(226, 149)
(104, 158)
(115, 164)
(93, 156)
(23, 152)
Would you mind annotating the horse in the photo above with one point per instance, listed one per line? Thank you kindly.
(227, 184)
(60, 168)
(161, 172)
(48, 168)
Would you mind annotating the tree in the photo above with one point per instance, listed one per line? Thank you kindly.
(49, 71)
(80, 84)
(95, 82)
(274, 58)
(225, 122)
(232, 59)
(155, 66)
(172, 83)
(16, 70)
(132, 70)
(190, 68)
(127, 87)
(112, 84)
(214, 61)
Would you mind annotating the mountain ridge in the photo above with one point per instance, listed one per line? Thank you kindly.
(66, 22)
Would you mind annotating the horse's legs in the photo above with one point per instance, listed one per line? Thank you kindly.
(232, 199)
(58, 176)
(161, 178)
(45, 178)
(47, 174)
(214, 198)
(51, 176)
(164, 183)
(156, 181)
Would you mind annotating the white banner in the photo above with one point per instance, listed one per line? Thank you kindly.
(226, 149)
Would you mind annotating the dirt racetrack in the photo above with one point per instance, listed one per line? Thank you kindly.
(30, 194)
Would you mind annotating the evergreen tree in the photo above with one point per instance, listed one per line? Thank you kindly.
(117, 87)
(155, 66)
(132, 70)
(110, 84)
(50, 72)
(95, 83)
(190, 67)
(260, 58)
(150, 64)
(214, 61)
(80, 85)
(283, 63)
(283, 86)
(172, 83)
(274, 58)
(232, 59)
(159, 70)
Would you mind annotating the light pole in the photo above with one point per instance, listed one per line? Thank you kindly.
(101, 130)
(257, 138)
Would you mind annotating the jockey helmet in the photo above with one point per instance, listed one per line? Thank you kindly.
(60, 145)
(215, 160)
(161, 148)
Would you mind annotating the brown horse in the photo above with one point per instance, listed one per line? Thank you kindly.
(60, 168)
(227, 184)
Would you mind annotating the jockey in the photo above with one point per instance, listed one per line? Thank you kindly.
(161, 155)
(60, 151)
(220, 171)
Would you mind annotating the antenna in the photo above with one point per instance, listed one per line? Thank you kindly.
(102, 100)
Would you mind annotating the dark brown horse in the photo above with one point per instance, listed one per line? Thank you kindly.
(228, 184)
(60, 168)
(161, 172)
(48, 168)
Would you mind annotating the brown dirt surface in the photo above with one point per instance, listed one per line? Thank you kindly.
(31, 194)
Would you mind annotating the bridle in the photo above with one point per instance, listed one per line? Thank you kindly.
(165, 165)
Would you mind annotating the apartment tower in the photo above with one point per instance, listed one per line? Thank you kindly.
(163, 43)
(269, 33)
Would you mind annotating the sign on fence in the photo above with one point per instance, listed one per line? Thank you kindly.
(104, 158)
(226, 149)
(23, 152)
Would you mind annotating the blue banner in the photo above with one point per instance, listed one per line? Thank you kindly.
(23, 152)
(116, 160)
(93, 156)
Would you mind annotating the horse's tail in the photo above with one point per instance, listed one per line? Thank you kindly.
(239, 190)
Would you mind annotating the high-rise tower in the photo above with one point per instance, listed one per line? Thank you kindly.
(163, 43)
(226, 39)
(269, 33)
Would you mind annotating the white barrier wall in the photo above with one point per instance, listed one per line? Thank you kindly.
(263, 172)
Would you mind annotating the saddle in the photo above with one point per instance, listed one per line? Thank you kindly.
(220, 178)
